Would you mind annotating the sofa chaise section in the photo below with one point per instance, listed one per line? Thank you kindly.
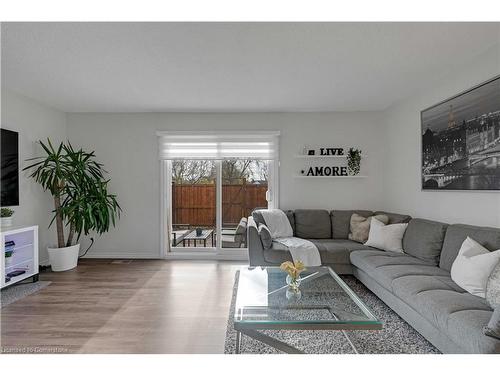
(423, 293)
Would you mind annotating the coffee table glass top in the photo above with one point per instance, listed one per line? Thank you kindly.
(265, 300)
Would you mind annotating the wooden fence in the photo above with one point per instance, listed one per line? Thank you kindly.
(194, 205)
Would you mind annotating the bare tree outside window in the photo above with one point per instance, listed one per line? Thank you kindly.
(234, 171)
(190, 172)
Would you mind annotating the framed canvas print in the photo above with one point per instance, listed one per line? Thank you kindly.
(461, 141)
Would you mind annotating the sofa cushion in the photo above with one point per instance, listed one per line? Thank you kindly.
(277, 254)
(337, 244)
(312, 224)
(473, 266)
(394, 218)
(439, 300)
(331, 251)
(291, 218)
(459, 315)
(360, 226)
(456, 235)
(465, 328)
(493, 288)
(436, 305)
(385, 267)
(337, 251)
(423, 239)
(265, 236)
(493, 327)
(407, 287)
(341, 222)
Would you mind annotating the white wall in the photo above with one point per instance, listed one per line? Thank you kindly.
(34, 122)
(402, 182)
(127, 145)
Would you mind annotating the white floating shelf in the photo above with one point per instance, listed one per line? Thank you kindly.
(312, 177)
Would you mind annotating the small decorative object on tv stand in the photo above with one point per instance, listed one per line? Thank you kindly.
(22, 244)
(6, 216)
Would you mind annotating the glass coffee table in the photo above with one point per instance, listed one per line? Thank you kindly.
(324, 302)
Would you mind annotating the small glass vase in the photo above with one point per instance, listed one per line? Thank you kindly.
(292, 282)
(293, 295)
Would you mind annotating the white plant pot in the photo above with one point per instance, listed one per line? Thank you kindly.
(6, 221)
(8, 261)
(63, 258)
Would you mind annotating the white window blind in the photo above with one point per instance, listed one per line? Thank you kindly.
(218, 145)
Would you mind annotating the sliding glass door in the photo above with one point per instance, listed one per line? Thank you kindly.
(244, 188)
(193, 203)
(210, 185)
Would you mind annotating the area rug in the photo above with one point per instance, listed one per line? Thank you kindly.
(396, 337)
(16, 292)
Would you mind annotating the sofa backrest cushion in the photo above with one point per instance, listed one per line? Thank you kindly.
(423, 239)
(259, 219)
(456, 235)
(394, 218)
(341, 222)
(313, 224)
(291, 218)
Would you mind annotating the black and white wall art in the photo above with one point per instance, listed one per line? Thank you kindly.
(461, 141)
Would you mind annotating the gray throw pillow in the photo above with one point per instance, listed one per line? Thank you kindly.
(265, 236)
(493, 288)
(360, 226)
(257, 216)
(493, 327)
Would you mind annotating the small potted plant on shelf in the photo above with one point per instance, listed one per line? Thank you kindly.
(6, 216)
(353, 161)
(82, 202)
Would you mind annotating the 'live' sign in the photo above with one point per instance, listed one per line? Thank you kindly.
(331, 151)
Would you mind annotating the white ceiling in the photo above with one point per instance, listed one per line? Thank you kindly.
(143, 67)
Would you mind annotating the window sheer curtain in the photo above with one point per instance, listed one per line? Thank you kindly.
(202, 145)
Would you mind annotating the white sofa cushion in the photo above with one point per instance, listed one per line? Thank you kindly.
(473, 266)
(386, 237)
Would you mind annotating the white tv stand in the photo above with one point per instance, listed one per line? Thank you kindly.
(25, 256)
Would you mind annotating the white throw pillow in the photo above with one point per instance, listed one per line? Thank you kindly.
(386, 237)
(473, 266)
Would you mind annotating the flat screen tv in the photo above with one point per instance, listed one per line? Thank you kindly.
(9, 151)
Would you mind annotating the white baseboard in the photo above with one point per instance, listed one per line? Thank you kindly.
(207, 256)
(97, 254)
(44, 262)
(121, 255)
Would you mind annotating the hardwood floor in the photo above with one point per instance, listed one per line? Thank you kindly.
(145, 306)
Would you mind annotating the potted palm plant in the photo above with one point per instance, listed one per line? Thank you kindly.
(82, 202)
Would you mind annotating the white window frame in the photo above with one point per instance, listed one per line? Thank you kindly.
(207, 253)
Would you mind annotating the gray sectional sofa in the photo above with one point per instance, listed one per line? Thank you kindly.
(415, 284)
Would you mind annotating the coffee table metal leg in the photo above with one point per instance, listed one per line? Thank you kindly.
(238, 342)
(350, 342)
(346, 335)
(271, 341)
